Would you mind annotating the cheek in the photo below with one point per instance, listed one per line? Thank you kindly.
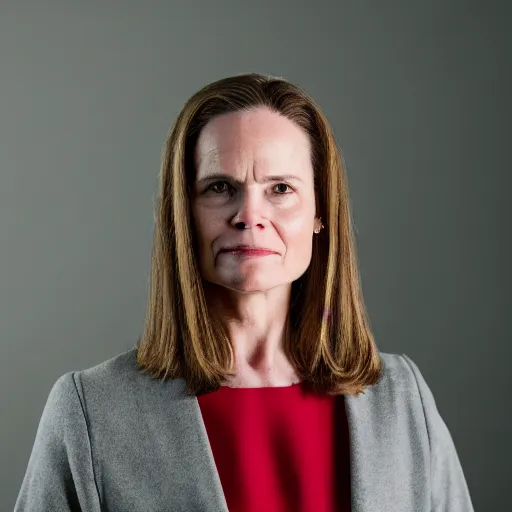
(294, 224)
(207, 227)
(296, 231)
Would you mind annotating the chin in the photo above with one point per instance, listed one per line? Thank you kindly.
(252, 278)
(249, 284)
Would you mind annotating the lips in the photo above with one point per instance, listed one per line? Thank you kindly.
(247, 250)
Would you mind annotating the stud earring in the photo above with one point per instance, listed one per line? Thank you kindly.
(317, 230)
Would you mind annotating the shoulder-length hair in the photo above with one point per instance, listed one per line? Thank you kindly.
(328, 339)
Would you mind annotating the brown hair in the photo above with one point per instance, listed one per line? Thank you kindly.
(328, 340)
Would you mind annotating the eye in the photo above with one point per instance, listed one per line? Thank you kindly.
(281, 191)
(219, 187)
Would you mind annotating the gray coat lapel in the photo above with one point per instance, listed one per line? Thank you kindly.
(201, 485)
(387, 451)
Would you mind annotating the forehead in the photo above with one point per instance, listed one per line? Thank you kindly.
(260, 137)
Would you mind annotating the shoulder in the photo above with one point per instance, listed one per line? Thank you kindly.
(399, 372)
(398, 395)
(404, 386)
(118, 385)
(398, 367)
(402, 395)
(66, 397)
(102, 376)
(118, 373)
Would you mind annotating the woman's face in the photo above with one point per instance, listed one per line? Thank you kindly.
(254, 186)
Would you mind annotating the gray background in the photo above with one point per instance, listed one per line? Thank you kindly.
(418, 94)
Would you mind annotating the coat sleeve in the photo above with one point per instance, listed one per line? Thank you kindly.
(450, 492)
(59, 476)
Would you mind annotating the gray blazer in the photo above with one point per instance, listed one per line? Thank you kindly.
(112, 439)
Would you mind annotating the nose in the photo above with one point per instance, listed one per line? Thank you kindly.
(249, 213)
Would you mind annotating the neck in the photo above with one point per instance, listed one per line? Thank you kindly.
(256, 324)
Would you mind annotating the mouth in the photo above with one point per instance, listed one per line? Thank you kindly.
(246, 250)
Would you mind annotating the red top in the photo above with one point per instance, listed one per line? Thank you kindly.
(279, 449)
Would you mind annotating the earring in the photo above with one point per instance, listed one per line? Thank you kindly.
(317, 230)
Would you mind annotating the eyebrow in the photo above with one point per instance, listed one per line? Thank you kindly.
(266, 179)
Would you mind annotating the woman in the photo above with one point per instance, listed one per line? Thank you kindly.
(256, 385)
